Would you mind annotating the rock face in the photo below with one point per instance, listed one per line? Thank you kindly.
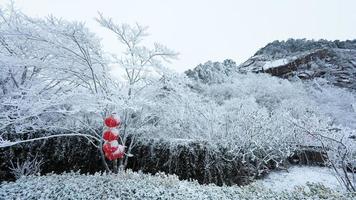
(334, 61)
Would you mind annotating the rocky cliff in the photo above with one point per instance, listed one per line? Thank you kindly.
(334, 61)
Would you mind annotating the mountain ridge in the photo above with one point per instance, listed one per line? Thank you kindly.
(334, 61)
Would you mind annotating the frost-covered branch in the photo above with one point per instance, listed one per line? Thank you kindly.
(6, 143)
(137, 58)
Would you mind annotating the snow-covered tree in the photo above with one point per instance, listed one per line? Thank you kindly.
(138, 62)
(53, 77)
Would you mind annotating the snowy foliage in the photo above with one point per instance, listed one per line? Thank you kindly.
(27, 168)
(51, 70)
(129, 185)
(337, 103)
(137, 60)
(253, 116)
(212, 72)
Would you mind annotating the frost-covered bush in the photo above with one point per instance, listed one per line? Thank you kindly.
(53, 74)
(251, 114)
(54, 79)
(212, 72)
(129, 185)
(26, 168)
(337, 103)
(256, 118)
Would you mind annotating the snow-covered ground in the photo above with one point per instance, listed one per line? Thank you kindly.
(131, 185)
(300, 176)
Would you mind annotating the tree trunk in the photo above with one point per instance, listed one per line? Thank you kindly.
(114, 163)
(102, 157)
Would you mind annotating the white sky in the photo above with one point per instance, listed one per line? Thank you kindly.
(202, 30)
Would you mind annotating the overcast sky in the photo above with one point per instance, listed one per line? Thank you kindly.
(202, 30)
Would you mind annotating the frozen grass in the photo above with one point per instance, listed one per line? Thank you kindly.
(130, 185)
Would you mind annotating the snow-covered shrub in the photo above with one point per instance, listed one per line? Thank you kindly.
(251, 115)
(129, 185)
(257, 118)
(339, 139)
(26, 168)
(337, 103)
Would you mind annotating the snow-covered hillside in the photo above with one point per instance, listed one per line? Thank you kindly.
(326, 68)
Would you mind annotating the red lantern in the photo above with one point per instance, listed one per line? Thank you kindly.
(111, 134)
(112, 121)
(110, 147)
